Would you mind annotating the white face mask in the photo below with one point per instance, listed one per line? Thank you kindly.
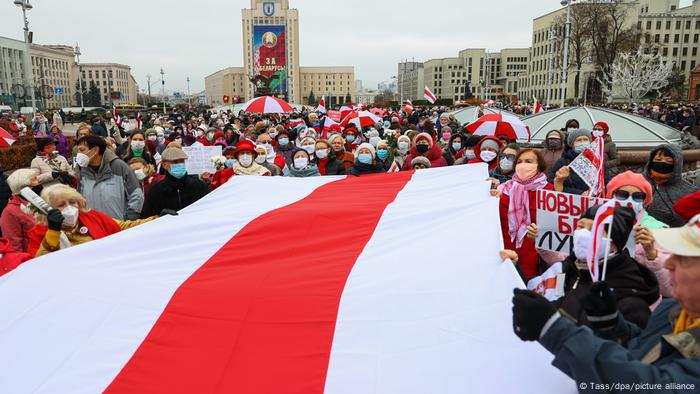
(470, 154)
(506, 165)
(245, 160)
(309, 148)
(140, 175)
(153, 138)
(70, 216)
(260, 159)
(82, 160)
(138, 145)
(322, 154)
(301, 163)
(488, 156)
(403, 146)
(583, 242)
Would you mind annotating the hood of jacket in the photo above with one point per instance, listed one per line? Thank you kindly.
(477, 149)
(677, 154)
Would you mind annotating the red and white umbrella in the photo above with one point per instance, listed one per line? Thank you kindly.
(500, 125)
(361, 119)
(6, 139)
(267, 105)
(345, 111)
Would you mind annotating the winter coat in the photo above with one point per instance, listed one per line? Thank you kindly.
(330, 167)
(497, 173)
(635, 288)
(551, 157)
(362, 169)
(615, 356)
(573, 185)
(612, 158)
(477, 151)
(46, 170)
(287, 152)
(16, 224)
(434, 155)
(10, 258)
(61, 142)
(528, 260)
(113, 189)
(5, 192)
(669, 193)
(172, 193)
(347, 158)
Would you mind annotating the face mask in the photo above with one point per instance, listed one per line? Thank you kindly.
(526, 171)
(137, 145)
(506, 165)
(456, 147)
(178, 170)
(284, 141)
(374, 141)
(322, 154)
(273, 134)
(260, 159)
(245, 159)
(422, 149)
(350, 138)
(82, 160)
(662, 168)
(230, 163)
(268, 148)
(309, 148)
(403, 146)
(153, 138)
(488, 156)
(70, 216)
(446, 136)
(140, 175)
(301, 163)
(597, 133)
(364, 158)
(382, 154)
(554, 144)
(579, 148)
(636, 205)
(315, 124)
(470, 155)
(583, 242)
(210, 136)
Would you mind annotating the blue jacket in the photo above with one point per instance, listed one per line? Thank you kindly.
(626, 354)
(573, 185)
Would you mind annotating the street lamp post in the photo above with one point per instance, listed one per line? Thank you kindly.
(162, 80)
(28, 70)
(80, 76)
(550, 59)
(565, 64)
(189, 96)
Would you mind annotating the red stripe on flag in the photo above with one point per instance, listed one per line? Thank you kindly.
(260, 315)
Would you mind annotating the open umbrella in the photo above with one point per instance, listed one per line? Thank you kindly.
(267, 105)
(361, 119)
(6, 139)
(345, 111)
(500, 125)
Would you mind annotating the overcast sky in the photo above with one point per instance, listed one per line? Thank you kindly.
(198, 38)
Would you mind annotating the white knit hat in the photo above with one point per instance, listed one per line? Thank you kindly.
(367, 146)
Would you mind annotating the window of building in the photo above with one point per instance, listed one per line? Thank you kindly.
(656, 38)
(666, 37)
(678, 25)
(639, 25)
(697, 24)
(683, 65)
(687, 25)
(686, 38)
(685, 51)
(648, 25)
(695, 38)
(695, 51)
(665, 51)
(658, 25)
(675, 51)
(668, 25)
(676, 38)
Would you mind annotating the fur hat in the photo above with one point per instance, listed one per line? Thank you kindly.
(420, 160)
(574, 134)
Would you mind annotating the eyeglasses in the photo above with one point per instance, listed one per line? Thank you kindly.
(504, 157)
(624, 195)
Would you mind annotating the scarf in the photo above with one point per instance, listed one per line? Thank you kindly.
(685, 322)
(308, 171)
(519, 207)
(254, 169)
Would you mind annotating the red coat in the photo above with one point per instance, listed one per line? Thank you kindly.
(9, 258)
(16, 224)
(434, 155)
(527, 253)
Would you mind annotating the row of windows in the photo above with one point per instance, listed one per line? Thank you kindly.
(516, 59)
(668, 24)
(676, 38)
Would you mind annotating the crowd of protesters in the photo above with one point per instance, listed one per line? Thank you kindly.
(112, 177)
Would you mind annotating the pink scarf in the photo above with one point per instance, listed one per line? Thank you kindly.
(519, 207)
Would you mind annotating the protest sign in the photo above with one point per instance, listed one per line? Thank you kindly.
(334, 115)
(557, 218)
(199, 158)
(590, 167)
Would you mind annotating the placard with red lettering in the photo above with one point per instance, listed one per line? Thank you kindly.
(557, 217)
(334, 115)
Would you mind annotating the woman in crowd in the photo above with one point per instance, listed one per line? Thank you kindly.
(487, 151)
(518, 208)
(145, 173)
(137, 148)
(301, 166)
(562, 177)
(612, 158)
(59, 140)
(423, 145)
(325, 160)
(261, 159)
(665, 173)
(403, 144)
(339, 152)
(506, 164)
(285, 146)
(553, 148)
(366, 162)
(53, 168)
(15, 223)
(71, 223)
(384, 156)
(453, 146)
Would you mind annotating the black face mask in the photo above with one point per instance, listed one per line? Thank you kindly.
(662, 168)
(422, 149)
(554, 144)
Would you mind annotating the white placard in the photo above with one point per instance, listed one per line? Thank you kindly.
(199, 158)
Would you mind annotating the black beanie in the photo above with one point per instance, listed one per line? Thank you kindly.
(623, 223)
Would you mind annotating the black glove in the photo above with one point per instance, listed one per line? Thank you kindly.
(55, 219)
(168, 212)
(55, 174)
(600, 306)
(531, 312)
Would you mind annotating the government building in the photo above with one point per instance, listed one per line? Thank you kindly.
(271, 63)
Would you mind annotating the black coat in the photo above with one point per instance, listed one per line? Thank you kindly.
(173, 193)
(573, 185)
(334, 167)
(358, 169)
(635, 288)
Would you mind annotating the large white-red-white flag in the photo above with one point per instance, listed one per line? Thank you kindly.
(428, 95)
(257, 296)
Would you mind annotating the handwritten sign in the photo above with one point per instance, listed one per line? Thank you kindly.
(199, 158)
(557, 217)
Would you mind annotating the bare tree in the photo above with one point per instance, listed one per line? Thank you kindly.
(579, 40)
(636, 74)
